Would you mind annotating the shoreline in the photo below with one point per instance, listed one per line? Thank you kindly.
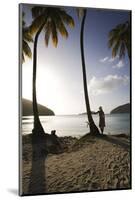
(79, 136)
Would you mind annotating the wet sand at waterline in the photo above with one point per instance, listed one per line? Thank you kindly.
(89, 164)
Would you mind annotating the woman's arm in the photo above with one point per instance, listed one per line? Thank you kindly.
(94, 112)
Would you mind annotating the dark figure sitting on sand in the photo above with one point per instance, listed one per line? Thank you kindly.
(101, 118)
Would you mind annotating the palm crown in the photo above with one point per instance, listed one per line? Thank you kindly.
(54, 20)
(119, 40)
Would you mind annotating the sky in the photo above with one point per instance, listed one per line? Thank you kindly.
(59, 70)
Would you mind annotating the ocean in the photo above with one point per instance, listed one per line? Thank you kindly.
(76, 126)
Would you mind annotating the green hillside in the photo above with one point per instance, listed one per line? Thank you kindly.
(27, 109)
(121, 109)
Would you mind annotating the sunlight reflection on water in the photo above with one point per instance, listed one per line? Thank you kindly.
(75, 125)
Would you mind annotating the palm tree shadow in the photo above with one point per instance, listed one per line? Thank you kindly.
(115, 140)
(37, 183)
(41, 146)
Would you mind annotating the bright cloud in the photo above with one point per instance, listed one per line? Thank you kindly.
(107, 59)
(113, 59)
(119, 65)
(106, 84)
(104, 59)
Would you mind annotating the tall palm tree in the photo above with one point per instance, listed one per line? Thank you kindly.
(26, 38)
(119, 40)
(93, 128)
(52, 20)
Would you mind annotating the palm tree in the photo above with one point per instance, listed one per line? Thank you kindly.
(52, 21)
(26, 51)
(93, 128)
(119, 40)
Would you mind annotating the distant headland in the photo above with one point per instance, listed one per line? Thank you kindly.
(27, 108)
(125, 108)
(121, 109)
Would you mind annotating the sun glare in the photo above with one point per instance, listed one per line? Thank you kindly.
(49, 88)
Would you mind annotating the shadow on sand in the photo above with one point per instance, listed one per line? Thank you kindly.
(41, 146)
(117, 139)
(114, 139)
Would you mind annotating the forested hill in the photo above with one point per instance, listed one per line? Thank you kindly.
(27, 109)
(121, 109)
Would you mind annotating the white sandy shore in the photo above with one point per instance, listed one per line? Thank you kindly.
(92, 163)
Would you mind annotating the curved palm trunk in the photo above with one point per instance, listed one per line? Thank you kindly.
(92, 126)
(38, 129)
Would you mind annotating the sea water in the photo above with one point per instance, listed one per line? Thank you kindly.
(76, 125)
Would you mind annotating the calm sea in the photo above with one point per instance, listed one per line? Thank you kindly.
(75, 125)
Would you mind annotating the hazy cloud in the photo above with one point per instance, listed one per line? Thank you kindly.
(106, 84)
(107, 59)
(104, 59)
(119, 65)
(113, 59)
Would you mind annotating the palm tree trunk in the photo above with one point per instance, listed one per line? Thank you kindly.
(38, 129)
(92, 126)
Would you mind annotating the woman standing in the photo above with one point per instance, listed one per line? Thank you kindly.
(101, 119)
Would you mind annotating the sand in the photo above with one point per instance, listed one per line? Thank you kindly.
(89, 164)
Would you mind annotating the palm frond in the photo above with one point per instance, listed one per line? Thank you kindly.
(60, 26)
(36, 23)
(26, 49)
(37, 11)
(63, 30)
(122, 50)
(47, 33)
(115, 49)
(54, 34)
(119, 39)
(66, 18)
(26, 35)
(23, 59)
(111, 42)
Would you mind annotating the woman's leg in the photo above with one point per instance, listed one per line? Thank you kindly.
(102, 129)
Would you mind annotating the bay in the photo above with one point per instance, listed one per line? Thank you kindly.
(76, 125)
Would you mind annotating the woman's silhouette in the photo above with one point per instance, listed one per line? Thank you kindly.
(101, 119)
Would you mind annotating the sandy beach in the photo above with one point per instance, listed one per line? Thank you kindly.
(87, 164)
